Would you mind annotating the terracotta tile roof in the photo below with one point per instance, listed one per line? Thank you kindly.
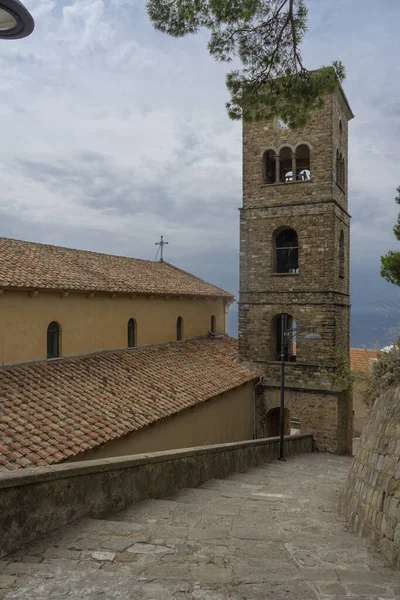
(360, 359)
(52, 410)
(40, 266)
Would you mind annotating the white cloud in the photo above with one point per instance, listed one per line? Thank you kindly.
(114, 133)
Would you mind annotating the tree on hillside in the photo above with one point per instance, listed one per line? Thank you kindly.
(265, 35)
(390, 263)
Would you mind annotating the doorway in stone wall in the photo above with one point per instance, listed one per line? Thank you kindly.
(272, 419)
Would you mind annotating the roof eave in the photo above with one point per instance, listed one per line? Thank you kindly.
(60, 290)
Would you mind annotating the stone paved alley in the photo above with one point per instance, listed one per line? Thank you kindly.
(270, 533)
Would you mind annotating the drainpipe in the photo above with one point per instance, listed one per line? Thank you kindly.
(259, 382)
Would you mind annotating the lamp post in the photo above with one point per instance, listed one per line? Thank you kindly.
(15, 20)
(286, 336)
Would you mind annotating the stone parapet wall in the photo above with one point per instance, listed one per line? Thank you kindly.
(371, 500)
(35, 502)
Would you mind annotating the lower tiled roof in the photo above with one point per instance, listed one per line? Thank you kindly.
(360, 359)
(52, 410)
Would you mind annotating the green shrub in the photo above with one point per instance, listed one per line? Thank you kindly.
(385, 372)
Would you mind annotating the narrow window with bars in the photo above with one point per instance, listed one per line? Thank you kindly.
(212, 325)
(131, 333)
(179, 329)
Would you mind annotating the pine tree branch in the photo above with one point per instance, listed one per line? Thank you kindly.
(294, 36)
(265, 35)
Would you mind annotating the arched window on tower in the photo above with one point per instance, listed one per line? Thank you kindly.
(286, 172)
(286, 251)
(213, 328)
(179, 329)
(131, 333)
(341, 254)
(269, 167)
(53, 340)
(340, 129)
(337, 167)
(282, 323)
(303, 172)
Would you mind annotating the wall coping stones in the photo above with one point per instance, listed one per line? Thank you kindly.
(60, 471)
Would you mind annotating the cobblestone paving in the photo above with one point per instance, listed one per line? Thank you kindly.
(272, 533)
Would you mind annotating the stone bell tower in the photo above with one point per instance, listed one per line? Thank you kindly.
(294, 264)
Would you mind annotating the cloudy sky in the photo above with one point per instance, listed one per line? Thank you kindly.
(113, 133)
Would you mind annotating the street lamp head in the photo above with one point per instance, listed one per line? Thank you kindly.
(312, 337)
(15, 20)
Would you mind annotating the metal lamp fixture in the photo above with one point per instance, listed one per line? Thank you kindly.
(15, 20)
(312, 337)
(286, 335)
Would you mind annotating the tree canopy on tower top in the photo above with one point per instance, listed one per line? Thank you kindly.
(265, 35)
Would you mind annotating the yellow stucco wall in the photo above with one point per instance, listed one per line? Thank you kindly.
(225, 418)
(97, 323)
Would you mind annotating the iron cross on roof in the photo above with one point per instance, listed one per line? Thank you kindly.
(161, 243)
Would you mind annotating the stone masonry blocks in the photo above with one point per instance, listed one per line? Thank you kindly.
(371, 499)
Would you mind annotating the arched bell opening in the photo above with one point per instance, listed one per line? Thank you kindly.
(303, 168)
(286, 171)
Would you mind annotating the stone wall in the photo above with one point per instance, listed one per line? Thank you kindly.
(371, 500)
(327, 416)
(34, 502)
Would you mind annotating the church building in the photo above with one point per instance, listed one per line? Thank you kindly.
(107, 356)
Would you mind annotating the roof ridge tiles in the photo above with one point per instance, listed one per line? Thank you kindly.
(73, 249)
